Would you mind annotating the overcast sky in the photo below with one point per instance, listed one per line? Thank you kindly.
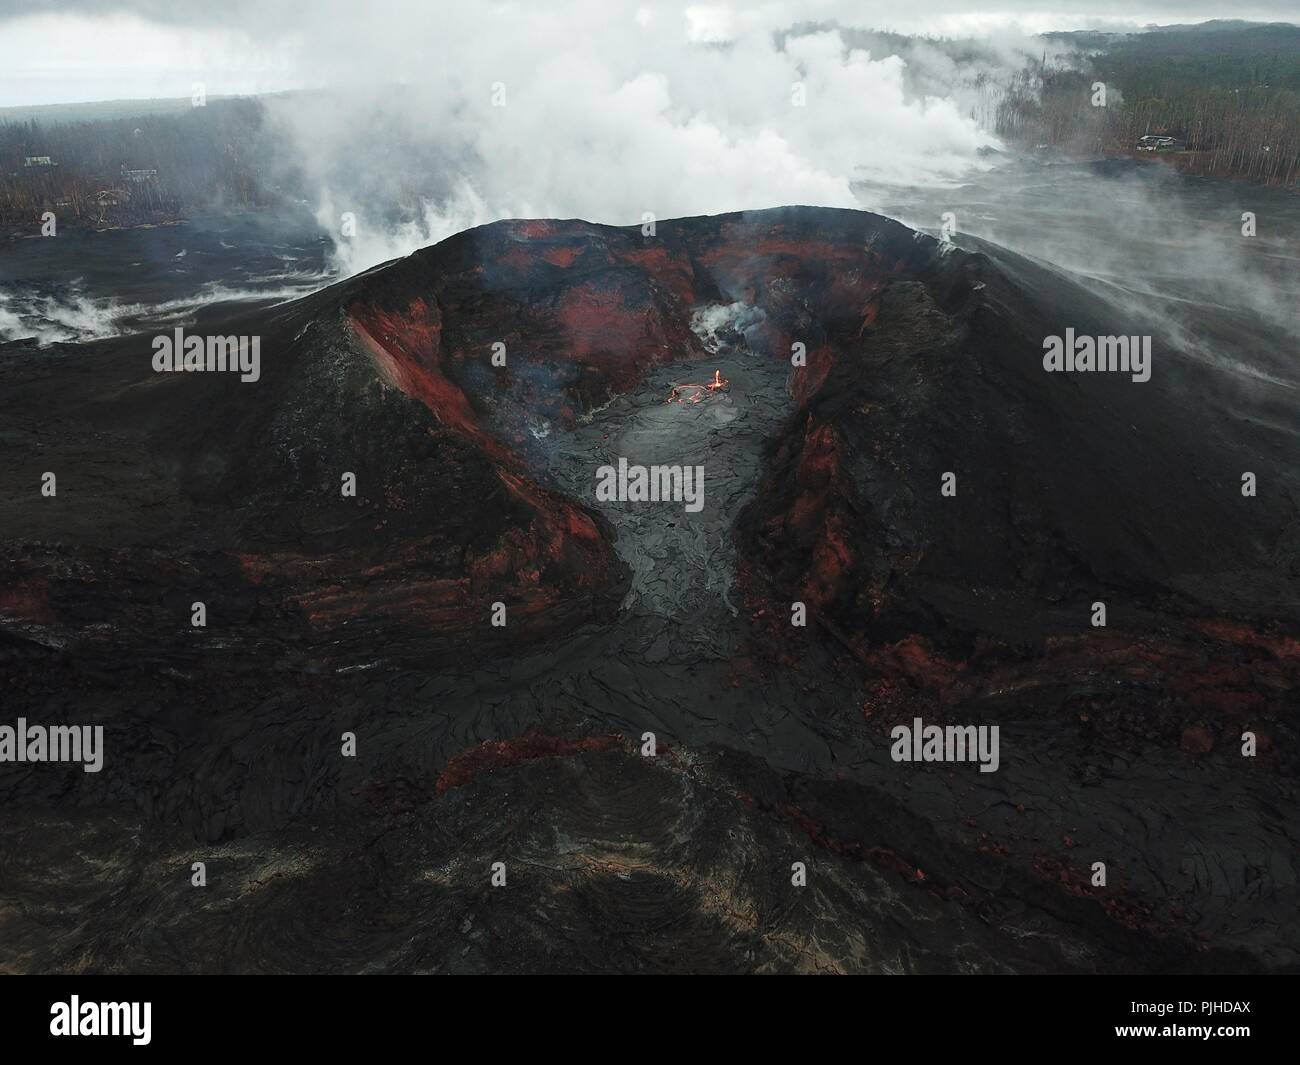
(62, 51)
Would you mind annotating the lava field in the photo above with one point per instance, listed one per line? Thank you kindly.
(480, 716)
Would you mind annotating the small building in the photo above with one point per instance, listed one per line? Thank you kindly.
(1153, 143)
(38, 160)
(106, 200)
(139, 177)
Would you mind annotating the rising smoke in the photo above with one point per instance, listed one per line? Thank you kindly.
(611, 112)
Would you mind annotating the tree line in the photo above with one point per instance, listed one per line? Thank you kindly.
(1233, 107)
(133, 170)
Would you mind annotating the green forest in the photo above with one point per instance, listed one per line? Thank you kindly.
(1227, 92)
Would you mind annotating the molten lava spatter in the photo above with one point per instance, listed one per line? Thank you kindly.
(691, 393)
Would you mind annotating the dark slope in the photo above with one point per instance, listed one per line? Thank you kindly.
(476, 744)
(1072, 489)
(235, 491)
(1069, 485)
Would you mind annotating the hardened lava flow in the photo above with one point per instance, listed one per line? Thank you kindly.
(475, 717)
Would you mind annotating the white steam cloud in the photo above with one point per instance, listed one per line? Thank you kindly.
(611, 111)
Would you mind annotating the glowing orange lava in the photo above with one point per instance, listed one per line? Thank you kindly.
(694, 393)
